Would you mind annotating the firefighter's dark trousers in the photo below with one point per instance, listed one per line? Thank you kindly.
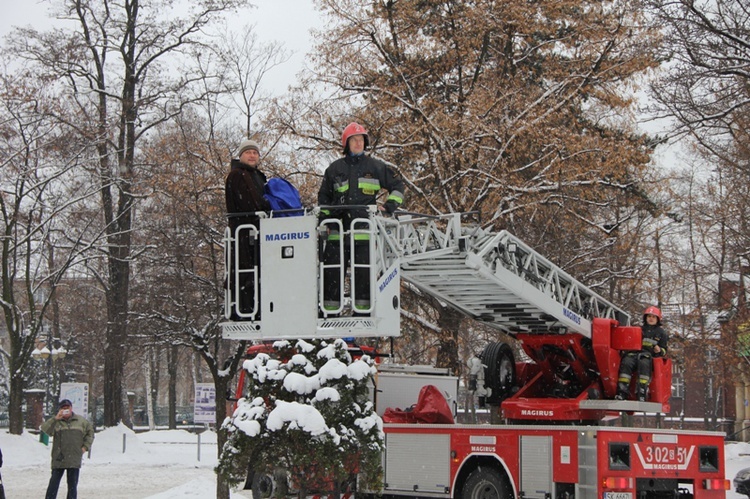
(628, 364)
(248, 258)
(331, 276)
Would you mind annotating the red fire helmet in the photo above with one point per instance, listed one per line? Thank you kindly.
(353, 129)
(652, 311)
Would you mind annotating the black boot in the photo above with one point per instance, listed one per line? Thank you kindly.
(622, 391)
(642, 392)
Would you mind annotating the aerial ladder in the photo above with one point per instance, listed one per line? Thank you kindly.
(571, 335)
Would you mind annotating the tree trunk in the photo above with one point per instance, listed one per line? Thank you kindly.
(222, 384)
(15, 414)
(222, 488)
(222, 387)
(117, 296)
(113, 368)
(708, 396)
(155, 377)
(172, 394)
(149, 390)
(447, 355)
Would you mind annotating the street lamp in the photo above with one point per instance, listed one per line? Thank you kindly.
(58, 353)
(42, 352)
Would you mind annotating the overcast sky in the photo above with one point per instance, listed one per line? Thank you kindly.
(285, 21)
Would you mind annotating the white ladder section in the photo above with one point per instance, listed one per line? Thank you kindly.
(496, 278)
(492, 277)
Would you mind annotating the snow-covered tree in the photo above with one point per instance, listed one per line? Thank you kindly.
(42, 200)
(118, 65)
(518, 111)
(307, 412)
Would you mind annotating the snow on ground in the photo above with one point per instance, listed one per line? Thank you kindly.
(161, 465)
(155, 465)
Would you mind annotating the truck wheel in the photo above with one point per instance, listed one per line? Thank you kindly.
(263, 486)
(500, 373)
(266, 486)
(485, 483)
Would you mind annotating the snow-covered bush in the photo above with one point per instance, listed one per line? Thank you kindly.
(307, 411)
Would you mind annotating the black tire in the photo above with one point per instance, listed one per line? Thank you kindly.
(263, 486)
(500, 373)
(485, 483)
(266, 486)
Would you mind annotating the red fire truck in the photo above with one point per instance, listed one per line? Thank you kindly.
(549, 439)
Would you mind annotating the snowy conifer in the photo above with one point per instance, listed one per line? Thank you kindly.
(307, 414)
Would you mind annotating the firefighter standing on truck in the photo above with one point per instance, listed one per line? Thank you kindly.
(654, 344)
(355, 179)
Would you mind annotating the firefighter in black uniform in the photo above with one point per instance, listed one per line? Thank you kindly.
(654, 344)
(355, 179)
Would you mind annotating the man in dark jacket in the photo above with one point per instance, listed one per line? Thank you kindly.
(244, 197)
(355, 179)
(654, 344)
(2, 487)
(72, 436)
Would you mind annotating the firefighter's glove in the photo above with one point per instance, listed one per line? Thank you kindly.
(389, 207)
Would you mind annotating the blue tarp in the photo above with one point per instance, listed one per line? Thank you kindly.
(283, 196)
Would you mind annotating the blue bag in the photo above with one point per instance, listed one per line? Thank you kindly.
(283, 196)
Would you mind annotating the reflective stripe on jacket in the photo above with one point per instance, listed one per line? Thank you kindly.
(652, 336)
(357, 180)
